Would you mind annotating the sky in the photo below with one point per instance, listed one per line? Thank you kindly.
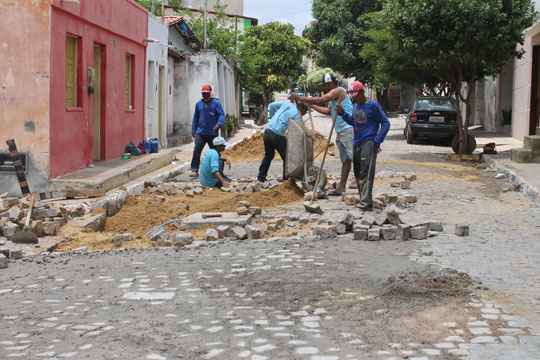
(296, 12)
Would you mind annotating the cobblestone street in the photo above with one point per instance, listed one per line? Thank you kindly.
(302, 297)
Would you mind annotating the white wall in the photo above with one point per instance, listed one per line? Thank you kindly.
(156, 57)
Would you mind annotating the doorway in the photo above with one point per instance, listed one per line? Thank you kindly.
(535, 92)
(97, 103)
(160, 102)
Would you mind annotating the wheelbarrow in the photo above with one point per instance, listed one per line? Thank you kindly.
(299, 164)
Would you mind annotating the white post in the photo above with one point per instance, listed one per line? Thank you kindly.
(153, 7)
(205, 16)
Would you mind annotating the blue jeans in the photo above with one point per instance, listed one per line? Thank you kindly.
(221, 167)
(200, 141)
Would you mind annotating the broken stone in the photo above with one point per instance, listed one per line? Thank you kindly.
(409, 176)
(254, 232)
(410, 219)
(185, 238)
(266, 185)
(419, 232)
(242, 210)
(393, 215)
(325, 232)
(8, 202)
(3, 261)
(377, 204)
(16, 253)
(462, 230)
(50, 228)
(257, 186)
(254, 210)
(367, 220)
(159, 198)
(11, 229)
(360, 233)
(222, 230)
(158, 234)
(404, 232)
(350, 199)
(211, 235)
(190, 193)
(164, 243)
(389, 232)
(36, 227)
(395, 184)
(237, 233)
(120, 238)
(5, 250)
(167, 188)
(275, 224)
(243, 203)
(198, 191)
(341, 229)
(381, 219)
(226, 189)
(392, 199)
(405, 184)
(374, 234)
(15, 214)
(411, 198)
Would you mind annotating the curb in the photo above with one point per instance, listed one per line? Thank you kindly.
(524, 186)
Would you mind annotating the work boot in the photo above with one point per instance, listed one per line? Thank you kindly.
(194, 174)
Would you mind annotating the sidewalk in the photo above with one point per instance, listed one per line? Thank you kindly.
(526, 176)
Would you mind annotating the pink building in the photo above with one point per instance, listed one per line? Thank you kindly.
(72, 82)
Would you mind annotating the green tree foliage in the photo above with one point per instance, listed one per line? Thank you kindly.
(454, 41)
(338, 35)
(313, 80)
(148, 5)
(270, 54)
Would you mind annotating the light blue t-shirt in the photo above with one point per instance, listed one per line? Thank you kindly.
(347, 106)
(282, 113)
(209, 166)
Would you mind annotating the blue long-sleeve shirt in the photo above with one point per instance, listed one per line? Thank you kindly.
(369, 122)
(206, 116)
(281, 112)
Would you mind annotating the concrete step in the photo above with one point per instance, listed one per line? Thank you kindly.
(525, 156)
(107, 175)
(531, 142)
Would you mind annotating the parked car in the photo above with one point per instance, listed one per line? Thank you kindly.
(431, 116)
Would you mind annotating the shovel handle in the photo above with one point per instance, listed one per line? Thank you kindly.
(30, 209)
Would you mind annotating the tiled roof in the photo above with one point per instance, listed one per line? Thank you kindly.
(171, 20)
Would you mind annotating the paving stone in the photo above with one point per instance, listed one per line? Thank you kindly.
(405, 184)
(120, 238)
(8, 202)
(198, 190)
(50, 228)
(255, 232)
(361, 233)
(350, 200)
(393, 215)
(411, 199)
(211, 235)
(190, 193)
(185, 238)
(183, 206)
(90, 221)
(3, 261)
(237, 233)
(341, 229)
(389, 232)
(483, 340)
(43, 213)
(255, 210)
(15, 214)
(11, 229)
(367, 220)
(325, 232)
(345, 218)
(15, 253)
(242, 210)
(374, 234)
(222, 230)
(462, 230)
(159, 198)
(409, 176)
(418, 232)
(5, 251)
(159, 234)
(36, 226)
(434, 225)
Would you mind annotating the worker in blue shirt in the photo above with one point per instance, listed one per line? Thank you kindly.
(370, 128)
(208, 118)
(213, 164)
(274, 134)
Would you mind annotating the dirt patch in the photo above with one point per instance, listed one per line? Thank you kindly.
(252, 148)
(142, 213)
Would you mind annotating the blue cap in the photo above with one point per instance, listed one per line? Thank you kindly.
(220, 141)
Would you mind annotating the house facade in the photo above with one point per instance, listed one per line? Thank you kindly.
(73, 83)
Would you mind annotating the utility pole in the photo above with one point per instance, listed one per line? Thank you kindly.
(153, 7)
(163, 11)
(205, 16)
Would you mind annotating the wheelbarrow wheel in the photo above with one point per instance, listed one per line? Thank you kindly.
(309, 182)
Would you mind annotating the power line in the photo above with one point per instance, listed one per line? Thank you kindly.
(298, 12)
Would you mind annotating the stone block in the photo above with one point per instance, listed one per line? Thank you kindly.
(5, 251)
(309, 195)
(405, 184)
(89, 221)
(273, 184)
(43, 213)
(3, 261)
(395, 184)
(50, 228)
(410, 176)
(255, 210)
(389, 232)
(410, 219)
(11, 229)
(381, 219)
(377, 204)
(350, 200)
(36, 226)
(360, 234)
(374, 234)
(222, 230)
(325, 232)
(419, 232)
(158, 234)
(242, 210)
(411, 198)
(15, 214)
(402, 202)
(164, 242)
(462, 230)
(8, 202)
(237, 233)
(243, 203)
(159, 198)
(198, 190)
(367, 220)
(115, 202)
(15, 253)
(392, 199)
(256, 187)
(211, 235)
(345, 218)
(303, 218)
(190, 193)
(404, 232)
(186, 238)
(255, 232)
(434, 225)
(341, 228)
(275, 224)
(393, 215)
(167, 188)
(120, 238)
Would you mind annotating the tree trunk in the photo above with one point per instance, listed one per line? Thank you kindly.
(262, 116)
(464, 129)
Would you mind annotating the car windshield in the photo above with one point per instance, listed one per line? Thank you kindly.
(428, 103)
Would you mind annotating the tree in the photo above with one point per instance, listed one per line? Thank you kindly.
(157, 6)
(338, 35)
(270, 54)
(313, 80)
(457, 42)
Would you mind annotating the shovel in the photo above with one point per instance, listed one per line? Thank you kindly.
(308, 205)
(26, 236)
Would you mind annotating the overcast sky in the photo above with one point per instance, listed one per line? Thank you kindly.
(296, 12)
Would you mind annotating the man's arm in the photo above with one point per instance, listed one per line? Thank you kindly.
(223, 182)
(195, 122)
(220, 114)
(325, 110)
(274, 107)
(331, 95)
(345, 115)
(382, 119)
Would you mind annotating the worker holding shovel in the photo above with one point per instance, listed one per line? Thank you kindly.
(344, 131)
(370, 128)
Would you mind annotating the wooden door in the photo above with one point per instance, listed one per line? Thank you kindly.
(97, 103)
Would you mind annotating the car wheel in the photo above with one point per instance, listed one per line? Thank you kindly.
(409, 136)
(471, 144)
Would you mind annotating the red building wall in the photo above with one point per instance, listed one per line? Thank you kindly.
(119, 26)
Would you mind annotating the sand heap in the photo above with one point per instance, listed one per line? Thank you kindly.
(252, 148)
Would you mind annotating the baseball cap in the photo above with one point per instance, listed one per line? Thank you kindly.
(219, 141)
(355, 87)
(206, 89)
(329, 78)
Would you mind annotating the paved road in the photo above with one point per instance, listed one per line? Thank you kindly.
(302, 298)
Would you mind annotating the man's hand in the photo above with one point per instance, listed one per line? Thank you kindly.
(294, 96)
(339, 109)
(193, 134)
(216, 127)
(377, 149)
(225, 184)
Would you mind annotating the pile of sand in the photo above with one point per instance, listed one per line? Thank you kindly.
(142, 213)
(252, 148)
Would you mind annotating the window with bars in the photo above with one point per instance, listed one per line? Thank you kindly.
(72, 63)
(129, 82)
